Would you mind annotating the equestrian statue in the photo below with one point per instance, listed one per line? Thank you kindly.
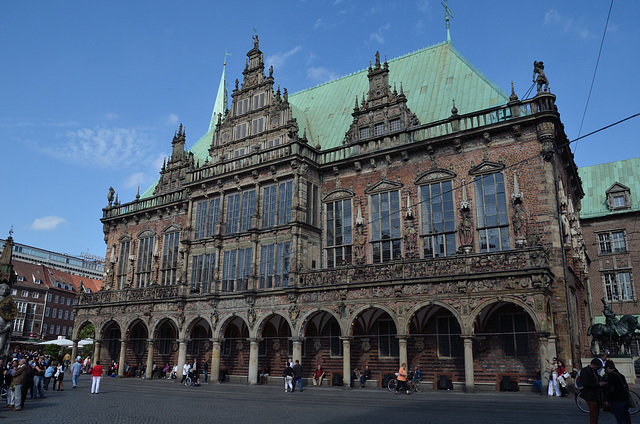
(615, 335)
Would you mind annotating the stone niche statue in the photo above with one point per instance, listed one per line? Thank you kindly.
(615, 335)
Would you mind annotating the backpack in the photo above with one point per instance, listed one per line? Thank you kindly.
(578, 381)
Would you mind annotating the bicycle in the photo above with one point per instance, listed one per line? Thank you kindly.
(413, 385)
(633, 409)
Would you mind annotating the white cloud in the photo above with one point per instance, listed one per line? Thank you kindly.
(172, 119)
(378, 36)
(136, 180)
(422, 5)
(104, 147)
(278, 60)
(47, 223)
(569, 25)
(319, 23)
(111, 116)
(320, 74)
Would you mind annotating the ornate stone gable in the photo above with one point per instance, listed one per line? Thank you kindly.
(486, 168)
(382, 111)
(174, 170)
(434, 175)
(383, 185)
(338, 194)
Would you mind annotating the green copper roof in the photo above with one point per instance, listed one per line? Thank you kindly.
(431, 79)
(597, 179)
(221, 100)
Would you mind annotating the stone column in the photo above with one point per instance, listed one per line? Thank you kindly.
(547, 349)
(253, 361)
(74, 350)
(123, 351)
(148, 372)
(215, 360)
(182, 356)
(96, 350)
(346, 362)
(469, 382)
(297, 350)
(402, 342)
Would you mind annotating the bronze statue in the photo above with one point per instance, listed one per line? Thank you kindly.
(538, 68)
(615, 335)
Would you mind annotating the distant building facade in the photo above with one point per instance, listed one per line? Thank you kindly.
(45, 299)
(610, 219)
(91, 267)
(366, 221)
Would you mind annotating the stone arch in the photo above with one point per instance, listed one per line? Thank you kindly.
(225, 321)
(153, 328)
(235, 348)
(431, 304)
(304, 320)
(264, 319)
(507, 328)
(78, 326)
(198, 335)
(111, 334)
(434, 330)
(166, 332)
(322, 334)
(137, 335)
(489, 303)
(347, 325)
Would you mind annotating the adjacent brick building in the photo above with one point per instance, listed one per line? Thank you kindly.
(371, 221)
(610, 218)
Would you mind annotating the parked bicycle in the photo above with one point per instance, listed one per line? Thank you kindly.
(413, 385)
(633, 409)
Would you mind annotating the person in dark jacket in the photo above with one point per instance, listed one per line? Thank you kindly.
(617, 393)
(592, 390)
(297, 375)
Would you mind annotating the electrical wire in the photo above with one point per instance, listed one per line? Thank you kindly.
(584, 114)
(520, 162)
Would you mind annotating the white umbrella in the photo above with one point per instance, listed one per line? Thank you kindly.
(85, 342)
(58, 342)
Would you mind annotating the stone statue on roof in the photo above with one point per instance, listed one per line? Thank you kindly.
(538, 68)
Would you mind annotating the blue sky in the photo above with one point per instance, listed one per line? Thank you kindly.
(91, 92)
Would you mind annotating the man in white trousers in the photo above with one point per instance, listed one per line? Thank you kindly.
(96, 372)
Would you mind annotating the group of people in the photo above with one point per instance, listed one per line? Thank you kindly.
(557, 379)
(603, 385)
(31, 374)
(404, 377)
(293, 374)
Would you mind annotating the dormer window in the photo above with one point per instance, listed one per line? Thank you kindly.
(618, 197)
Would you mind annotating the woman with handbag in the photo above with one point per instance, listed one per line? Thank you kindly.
(616, 394)
(563, 375)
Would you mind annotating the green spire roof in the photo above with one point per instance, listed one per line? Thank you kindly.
(597, 179)
(220, 106)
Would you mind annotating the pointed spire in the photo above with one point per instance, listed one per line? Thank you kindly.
(454, 110)
(409, 213)
(447, 15)
(220, 104)
(513, 97)
(138, 194)
(516, 196)
(359, 219)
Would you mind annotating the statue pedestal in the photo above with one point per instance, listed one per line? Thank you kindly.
(623, 365)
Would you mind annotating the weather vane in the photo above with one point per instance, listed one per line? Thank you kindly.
(447, 15)
(225, 57)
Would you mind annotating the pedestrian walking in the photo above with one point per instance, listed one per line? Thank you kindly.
(288, 378)
(60, 377)
(592, 391)
(96, 373)
(48, 374)
(38, 378)
(402, 379)
(297, 376)
(76, 369)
